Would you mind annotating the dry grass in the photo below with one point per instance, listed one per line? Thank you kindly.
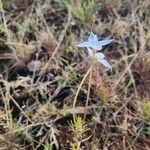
(52, 96)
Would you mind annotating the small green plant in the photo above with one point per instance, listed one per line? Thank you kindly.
(6, 4)
(22, 26)
(81, 9)
(48, 147)
(146, 111)
(79, 127)
(69, 76)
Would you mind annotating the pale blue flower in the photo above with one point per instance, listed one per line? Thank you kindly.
(103, 60)
(100, 57)
(94, 43)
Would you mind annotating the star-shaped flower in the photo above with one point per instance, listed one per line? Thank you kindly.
(100, 57)
(94, 43)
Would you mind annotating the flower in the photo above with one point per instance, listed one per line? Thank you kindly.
(100, 57)
(94, 43)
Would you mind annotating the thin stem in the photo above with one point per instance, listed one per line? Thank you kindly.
(79, 88)
(89, 87)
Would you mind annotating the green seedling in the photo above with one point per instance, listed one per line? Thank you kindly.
(78, 127)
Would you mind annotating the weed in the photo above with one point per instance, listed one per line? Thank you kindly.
(146, 111)
(48, 147)
(6, 4)
(80, 9)
(68, 77)
(78, 127)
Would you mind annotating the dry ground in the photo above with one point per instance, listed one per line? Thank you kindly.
(48, 97)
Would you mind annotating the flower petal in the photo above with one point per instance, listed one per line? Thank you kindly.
(104, 42)
(92, 38)
(83, 44)
(96, 46)
(100, 56)
(105, 63)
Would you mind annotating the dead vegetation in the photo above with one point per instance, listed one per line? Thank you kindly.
(49, 99)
